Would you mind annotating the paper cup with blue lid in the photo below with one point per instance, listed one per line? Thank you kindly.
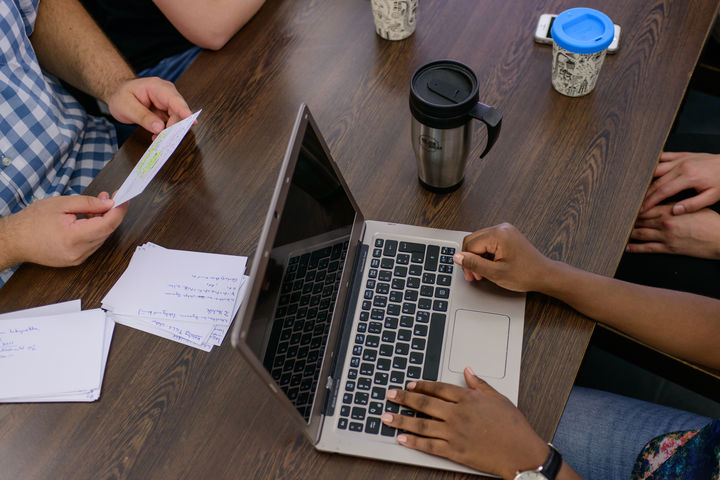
(581, 37)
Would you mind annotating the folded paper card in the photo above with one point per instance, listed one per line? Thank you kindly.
(153, 159)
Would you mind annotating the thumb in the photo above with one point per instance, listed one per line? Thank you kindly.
(86, 204)
(474, 263)
(476, 383)
(693, 204)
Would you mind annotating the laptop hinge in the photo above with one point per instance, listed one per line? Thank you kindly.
(333, 383)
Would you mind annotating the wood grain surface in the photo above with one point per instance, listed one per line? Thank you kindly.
(568, 172)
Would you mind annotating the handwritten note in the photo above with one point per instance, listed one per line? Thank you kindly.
(153, 159)
(188, 297)
(54, 353)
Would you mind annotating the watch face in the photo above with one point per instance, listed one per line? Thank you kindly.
(530, 475)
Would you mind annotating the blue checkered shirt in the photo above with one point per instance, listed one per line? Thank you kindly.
(49, 145)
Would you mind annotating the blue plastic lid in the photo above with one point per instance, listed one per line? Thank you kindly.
(582, 30)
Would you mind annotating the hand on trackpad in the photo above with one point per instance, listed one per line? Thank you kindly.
(480, 340)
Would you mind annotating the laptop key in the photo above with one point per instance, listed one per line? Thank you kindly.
(375, 408)
(372, 425)
(411, 247)
(386, 350)
(444, 280)
(364, 383)
(434, 348)
(358, 413)
(391, 247)
(356, 427)
(387, 431)
(343, 423)
(431, 258)
(414, 372)
(392, 407)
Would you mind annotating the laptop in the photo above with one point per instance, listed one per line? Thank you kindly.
(341, 309)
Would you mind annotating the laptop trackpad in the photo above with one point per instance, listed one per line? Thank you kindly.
(480, 340)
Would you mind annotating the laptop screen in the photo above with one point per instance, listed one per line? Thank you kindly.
(290, 325)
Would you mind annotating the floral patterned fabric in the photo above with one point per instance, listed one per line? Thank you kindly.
(693, 454)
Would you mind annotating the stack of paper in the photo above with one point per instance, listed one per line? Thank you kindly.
(188, 297)
(53, 354)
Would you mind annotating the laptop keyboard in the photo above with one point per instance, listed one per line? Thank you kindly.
(302, 322)
(400, 333)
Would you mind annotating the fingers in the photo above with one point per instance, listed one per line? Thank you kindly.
(474, 266)
(698, 202)
(672, 156)
(84, 204)
(152, 103)
(428, 398)
(477, 383)
(418, 426)
(647, 247)
(98, 228)
(664, 187)
(433, 446)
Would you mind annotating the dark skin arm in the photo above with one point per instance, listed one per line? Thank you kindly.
(479, 427)
(475, 426)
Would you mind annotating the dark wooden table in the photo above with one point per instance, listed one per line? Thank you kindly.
(569, 172)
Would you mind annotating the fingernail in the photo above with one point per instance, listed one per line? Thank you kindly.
(627, 248)
(678, 209)
(458, 258)
(392, 394)
(107, 201)
(387, 417)
(470, 371)
(411, 385)
(402, 439)
(157, 126)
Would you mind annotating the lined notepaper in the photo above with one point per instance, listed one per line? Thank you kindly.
(188, 297)
(53, 354)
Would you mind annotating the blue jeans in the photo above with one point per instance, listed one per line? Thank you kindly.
(171, 68)
(601, 434)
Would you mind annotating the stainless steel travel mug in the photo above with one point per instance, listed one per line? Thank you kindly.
(443, 102)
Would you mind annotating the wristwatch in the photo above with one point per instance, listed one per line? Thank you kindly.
(546, 471)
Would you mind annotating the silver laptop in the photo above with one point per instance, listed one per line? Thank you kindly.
(342, 309)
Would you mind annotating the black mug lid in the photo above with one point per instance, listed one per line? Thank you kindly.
(442, 93)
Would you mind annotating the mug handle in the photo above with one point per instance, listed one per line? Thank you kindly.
(490, 117)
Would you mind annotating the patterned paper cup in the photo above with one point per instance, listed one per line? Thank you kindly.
(580, 40)
(394, 19)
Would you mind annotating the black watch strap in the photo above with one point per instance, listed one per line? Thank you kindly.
(552, 465)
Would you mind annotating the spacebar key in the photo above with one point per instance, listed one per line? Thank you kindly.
(434, 347)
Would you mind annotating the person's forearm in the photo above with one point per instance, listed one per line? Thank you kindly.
(678, 323)
(209, 23)
(9, 255)
(71, 46)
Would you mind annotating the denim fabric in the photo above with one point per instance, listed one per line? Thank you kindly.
(601, 434)
(171, 68)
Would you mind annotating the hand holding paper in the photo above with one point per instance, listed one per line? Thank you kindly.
(153, 159)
